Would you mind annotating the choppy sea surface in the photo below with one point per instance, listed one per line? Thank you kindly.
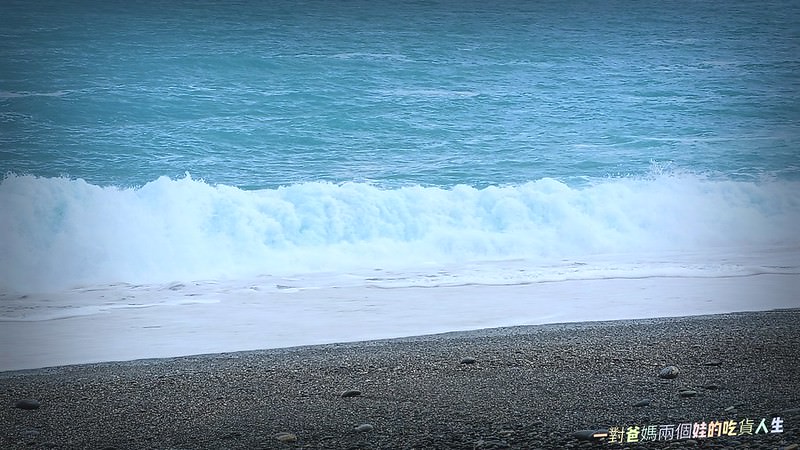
(316, 144)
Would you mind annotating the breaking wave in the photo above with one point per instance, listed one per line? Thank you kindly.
(61, 232)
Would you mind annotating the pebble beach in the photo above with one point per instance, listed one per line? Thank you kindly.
(546, 387)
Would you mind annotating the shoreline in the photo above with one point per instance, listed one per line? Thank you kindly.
(45, 332)
(515, 387)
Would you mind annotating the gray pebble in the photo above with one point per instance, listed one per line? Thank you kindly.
(688, 393)
(668, 372)
(364, 428)
(27, 403)
(643, 402)
(286, 437)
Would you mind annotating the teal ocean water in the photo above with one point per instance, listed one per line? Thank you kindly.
(145, 142)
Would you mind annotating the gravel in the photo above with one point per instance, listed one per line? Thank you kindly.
(535, 387)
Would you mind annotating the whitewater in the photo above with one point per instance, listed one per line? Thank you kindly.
(196, 177)
(62, 233)
(183, 267)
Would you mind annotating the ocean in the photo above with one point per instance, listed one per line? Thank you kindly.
(157, 155)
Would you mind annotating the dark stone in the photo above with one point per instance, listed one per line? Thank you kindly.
(668, 372)
(351, 393)
(27, 403)
(468, 360)
(584, 435)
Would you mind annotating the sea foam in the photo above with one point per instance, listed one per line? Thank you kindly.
(59, 233)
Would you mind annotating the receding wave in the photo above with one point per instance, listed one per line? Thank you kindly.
(60, 232)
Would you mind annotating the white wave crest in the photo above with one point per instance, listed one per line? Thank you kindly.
(59, 232)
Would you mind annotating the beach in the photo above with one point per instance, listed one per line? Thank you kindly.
(399, 225)
(543, 386)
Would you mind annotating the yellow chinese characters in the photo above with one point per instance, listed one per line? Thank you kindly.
(693, 430)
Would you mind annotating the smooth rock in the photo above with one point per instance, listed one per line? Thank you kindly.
(468, 360)
(364, 428)
(668, 372)
(27, 403)
(286, 437)
(351, 393)
(643, 402)
(713, 362)
(584, 435)
(687, 393)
